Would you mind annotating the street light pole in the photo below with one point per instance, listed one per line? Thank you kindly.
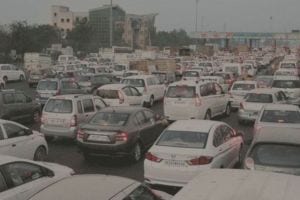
(111, 25)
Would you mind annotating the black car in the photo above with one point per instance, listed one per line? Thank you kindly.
(120, 131)
(99, 80)
(16, 106)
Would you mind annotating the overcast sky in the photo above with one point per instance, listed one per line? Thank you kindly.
(214, 15)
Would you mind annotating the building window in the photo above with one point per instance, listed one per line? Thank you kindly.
(55, 24)
(55, 14)
(62, 20)
(68, 20)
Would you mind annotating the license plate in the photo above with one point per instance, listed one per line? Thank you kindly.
(56, 121)
(179, 102)
(175, 163)
(98, 138)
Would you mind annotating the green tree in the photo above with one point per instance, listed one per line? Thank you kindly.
(175, 38)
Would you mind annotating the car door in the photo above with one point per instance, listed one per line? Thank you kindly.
(154, 126)
(24, 108)
(89, 108)
(14, 72)
(9, 109)
(144, 128)
(233, 143)
(211, 100)
(220, 98)
(137, 97)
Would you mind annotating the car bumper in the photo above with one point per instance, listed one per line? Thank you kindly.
(59, 132)
(171, 115)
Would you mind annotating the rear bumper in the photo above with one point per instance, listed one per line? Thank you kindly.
(184, 114)
(59, 132)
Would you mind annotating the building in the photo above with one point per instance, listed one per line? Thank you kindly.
(99, 19)
(138, 30)
(64, 19)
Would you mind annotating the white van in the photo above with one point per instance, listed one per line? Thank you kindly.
(195, 100)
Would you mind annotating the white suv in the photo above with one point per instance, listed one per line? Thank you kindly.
(62, 114)
(11, 73)
(195, 100)
(148, 85)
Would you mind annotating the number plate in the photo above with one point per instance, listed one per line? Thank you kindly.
(98, 138)
(58, 122)
(175, 163)
(179, 102)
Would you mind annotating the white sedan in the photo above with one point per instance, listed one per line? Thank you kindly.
(20, 141)
(20, 179)
(189, 146)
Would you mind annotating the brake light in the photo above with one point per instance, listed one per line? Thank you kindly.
(197, 101)
(122, 137)
(242, 106)
(80, 134)
(121, 97)
(202, 160)
(73, 122)
(149, 156)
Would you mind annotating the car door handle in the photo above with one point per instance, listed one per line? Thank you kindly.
(13, 145)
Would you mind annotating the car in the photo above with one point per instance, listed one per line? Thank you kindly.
(275, 150)
(99, 80)
(50, 87)
(11, 73)
(248, 69)
(119, 132)
(195, 100)
(119, 70)
(192, 74)
(16, 106)
(285, 72)
(235, 68)
(149, 86)
(237, 184)
(188, 147)
(278, 115)
(20, 141)
(290, 87)
(238, 90)
(133, 73)
(254, 100)
(291, 65)
(228, 77)
(62, 114)
(104, 187)
(120, 95)
(216, 79)
(21, 178)
(84, 80)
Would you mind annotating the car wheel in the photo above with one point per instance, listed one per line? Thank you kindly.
(36, 117)
(5, 79)
(22, 78)
(40, 154)
(207, 115)
(136, 154)
(227, 110)
(151, 101)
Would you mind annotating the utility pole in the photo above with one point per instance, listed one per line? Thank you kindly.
(111, 25)
(196, 24)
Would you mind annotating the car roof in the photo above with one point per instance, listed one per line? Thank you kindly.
(113, 86)
(193, 125)
(278, 135)
(91, 187)
(72, 96)
(264, 90)
(287, 107)
(235, 184)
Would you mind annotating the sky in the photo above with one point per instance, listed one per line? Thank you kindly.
(214, 15)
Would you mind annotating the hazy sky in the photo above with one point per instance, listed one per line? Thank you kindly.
(216, 15)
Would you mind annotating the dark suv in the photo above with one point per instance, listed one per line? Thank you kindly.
(16, 106)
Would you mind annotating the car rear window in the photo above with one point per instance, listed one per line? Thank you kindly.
(183, 139)
(281, 116)
(277, 155)
(181, 92)
(258, 98)
(108, 94)
(191, 74)
(134, 82)
(243, 86)
(286, 84)
(110, 119)
(47, 85)
(59, 106)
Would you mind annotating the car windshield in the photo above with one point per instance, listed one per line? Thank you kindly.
(183, 139)
(286, 84)
(134, 82)
(108, 94)
(259, 98)
(276, 155)
(181, 92)
(47, 85)
(109, 119)
(281, 116)
(58, 106)
(288, 66)
(243, 86)
(191, 74)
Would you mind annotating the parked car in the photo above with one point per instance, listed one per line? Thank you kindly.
(237, 184)
(99, 80)
(21, 178)
(253, 102)
(276, 150)
(11, 73)
(120, 95)
(102, 187)
(278, 115)
(188, 147)
(195, 100)
(120, 131)
(148, 85)
(238, 90)
(290, 87)
(20, 141)
(47, 88)
(16, 106)
(62, 114)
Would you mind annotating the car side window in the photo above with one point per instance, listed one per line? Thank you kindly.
(20, 98)
(3, 185)
(211, 89)
(88, 105)
(141, 118)
(134, 91)
(218, 137)
(99, 103)
(141, 193)
(13, 130)
(79, 107)
(20, 173)
(226, 133)
(283, 96)
(127, 91)
(8, 98)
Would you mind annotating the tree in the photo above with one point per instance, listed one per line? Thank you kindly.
(175, 38)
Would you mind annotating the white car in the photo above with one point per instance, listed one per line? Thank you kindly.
(218, 79)
(291, 88)
(285, 72)
(99, 187)
(19, 141)
(278, 115)
(20, 178)
(253, 102)
(188, 147)
(120, 95)
(238, 90)
(192, 74)
(291, 65)
(11, 73)
(195, 100)
(148, 85)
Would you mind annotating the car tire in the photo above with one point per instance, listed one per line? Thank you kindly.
(36, 117)
(207, 115)
(21, 78)
(227, 110)
(136, 153)
(40, 154)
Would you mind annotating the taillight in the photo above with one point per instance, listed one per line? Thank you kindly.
(121, 97)
(122, 137)
(149, 156)
(73, 122)
(197, 101)
(202, 160)
(80, 134)
(242, 106)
